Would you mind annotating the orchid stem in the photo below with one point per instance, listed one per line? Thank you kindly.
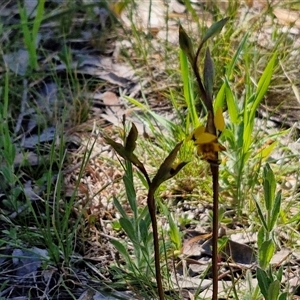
(152, 211)
(215, 269)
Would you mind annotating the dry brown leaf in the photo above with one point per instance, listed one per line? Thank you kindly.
(287, 17)
(193, 246)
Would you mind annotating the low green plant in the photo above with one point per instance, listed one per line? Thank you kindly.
(243, 156)
(269, 282)
(137, 252)
(206, 142)
(30, 31)
(269, 279)
(167, 170)
(9, 180)
(173, 231)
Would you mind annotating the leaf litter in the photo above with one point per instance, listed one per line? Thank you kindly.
(40, 122)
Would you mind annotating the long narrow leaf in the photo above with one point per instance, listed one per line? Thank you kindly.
(188, 90)
(269, 187)
(161, 120)
(231, 103)
(273, 291)
(38, 19)
(219, 100)
(131, 139)
(129, 188)
(263, 282)
(214, 29)
(208, 74)
(121, 248)
(186, 44)
(261, 215)
(275, 211)
(220, 97)
(263, 84)
(231, 66)
(129, 229)
(120, 208)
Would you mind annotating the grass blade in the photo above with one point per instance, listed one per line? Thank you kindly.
(263, 84)
(275, 211)
(231, 103)
(188, 90)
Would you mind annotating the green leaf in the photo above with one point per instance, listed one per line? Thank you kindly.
(188, 90)
(273, 291)
(265, 253)
(263, 282)
(131, 139)
(275, 211)
(208, 74)
(129, 229)
(269, 187)
(142, 179)
(38, 19)
(121, 248)
(170, 126)
(219, 101)
(247, 136)
(174, 231)
(240, 48)
(186, 44)
(130, 193)
(263, 84)
(144, 231)
(214, 29)
(220, 97)
(240, 136)
(266, 152)
(129, 188)
(279, 274)
(120, 208)
(283, 296)
(261, 236)
(261, 215)
(231, 103)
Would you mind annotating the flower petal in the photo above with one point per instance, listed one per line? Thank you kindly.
(218, 147)
(197, 132)
(205, 138)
